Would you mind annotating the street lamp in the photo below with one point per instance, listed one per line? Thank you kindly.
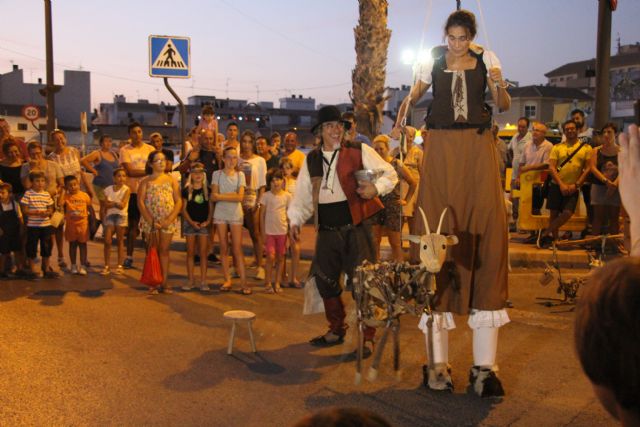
(408, 57)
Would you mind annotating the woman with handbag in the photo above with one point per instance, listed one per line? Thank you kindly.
(160, 203)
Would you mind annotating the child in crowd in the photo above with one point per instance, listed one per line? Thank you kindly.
(197, 212)
(10, 224)
(37, 205)
(227, 190)
(116, 206)
(290, 185)
(77, 207)
(273, 214)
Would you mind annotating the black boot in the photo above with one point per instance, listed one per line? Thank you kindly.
(335, 314)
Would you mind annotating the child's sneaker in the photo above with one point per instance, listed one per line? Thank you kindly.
(74, 269)
(50, 274)
(61, 264)
(188, 287)
(128, 263)
(105, 271)
(204, 287)
(82, 270)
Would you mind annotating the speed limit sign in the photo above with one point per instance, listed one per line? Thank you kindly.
(31, 112)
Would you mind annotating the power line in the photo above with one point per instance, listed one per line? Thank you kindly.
(278, 32)
(200, 88)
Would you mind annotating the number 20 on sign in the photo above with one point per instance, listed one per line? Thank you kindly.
(31, 112)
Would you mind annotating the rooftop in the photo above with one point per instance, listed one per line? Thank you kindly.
(617, 61)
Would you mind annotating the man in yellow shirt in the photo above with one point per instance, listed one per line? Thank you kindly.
(564, 189)
(291, 151)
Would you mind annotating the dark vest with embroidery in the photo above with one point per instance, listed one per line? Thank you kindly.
(349, 160)
(441, 112)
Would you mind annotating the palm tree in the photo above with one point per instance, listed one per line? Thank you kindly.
(368, 77)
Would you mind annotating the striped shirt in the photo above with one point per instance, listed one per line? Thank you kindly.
(39, 202)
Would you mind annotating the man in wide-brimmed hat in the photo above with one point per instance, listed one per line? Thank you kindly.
(328, 190)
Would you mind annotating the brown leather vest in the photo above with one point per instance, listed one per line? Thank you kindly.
(349, 161)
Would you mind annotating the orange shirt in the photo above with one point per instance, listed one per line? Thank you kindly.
(76, 207)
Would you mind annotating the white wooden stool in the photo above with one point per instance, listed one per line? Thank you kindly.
(240, 316)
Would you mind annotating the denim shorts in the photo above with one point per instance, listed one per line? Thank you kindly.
(189, 230)
(237, 221)
(115, 220)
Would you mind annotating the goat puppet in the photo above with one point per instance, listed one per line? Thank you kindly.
(386, 290)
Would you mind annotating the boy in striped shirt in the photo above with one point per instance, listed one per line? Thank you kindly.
(37, 206)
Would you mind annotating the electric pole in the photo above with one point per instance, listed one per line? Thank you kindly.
(603, 57)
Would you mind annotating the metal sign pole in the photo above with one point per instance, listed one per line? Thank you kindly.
(170, 56)
(183, 118)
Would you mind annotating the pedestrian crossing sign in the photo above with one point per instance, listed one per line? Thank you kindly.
(169, 56)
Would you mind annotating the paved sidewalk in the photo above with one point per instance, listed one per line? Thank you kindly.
(99, 351)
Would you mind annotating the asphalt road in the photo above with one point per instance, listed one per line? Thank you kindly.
(99, 351)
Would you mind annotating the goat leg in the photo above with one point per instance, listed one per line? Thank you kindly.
(373, 370)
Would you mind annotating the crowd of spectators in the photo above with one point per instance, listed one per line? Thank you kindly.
(220, 185)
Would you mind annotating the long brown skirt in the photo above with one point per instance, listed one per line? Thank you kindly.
(460, 171)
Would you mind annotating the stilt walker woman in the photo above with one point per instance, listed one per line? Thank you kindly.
(460, 172)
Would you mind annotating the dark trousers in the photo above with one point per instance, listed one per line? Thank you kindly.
(537, 199)
(340, 250)
(37, 235)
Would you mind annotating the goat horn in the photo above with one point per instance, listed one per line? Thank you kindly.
(424, 218)
(441, 219)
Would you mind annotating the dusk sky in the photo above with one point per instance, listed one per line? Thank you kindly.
(286, 47)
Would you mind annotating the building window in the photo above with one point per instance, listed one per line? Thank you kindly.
(530, 111)
(22, 126)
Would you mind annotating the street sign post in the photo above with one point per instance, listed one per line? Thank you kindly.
(170, 56)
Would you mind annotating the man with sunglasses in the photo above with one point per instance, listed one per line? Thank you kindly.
(342, 207)
(572, 157)
(352, 133)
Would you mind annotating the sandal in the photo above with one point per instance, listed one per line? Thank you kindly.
(167, 290)
(153, 291)
(268, 289)
(278, 289)
(327, 340)
(296, 284)
(226, 288)
(246, 291)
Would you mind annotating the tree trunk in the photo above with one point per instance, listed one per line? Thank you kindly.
(368, 77)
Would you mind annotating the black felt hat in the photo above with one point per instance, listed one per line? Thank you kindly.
(329, 113)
